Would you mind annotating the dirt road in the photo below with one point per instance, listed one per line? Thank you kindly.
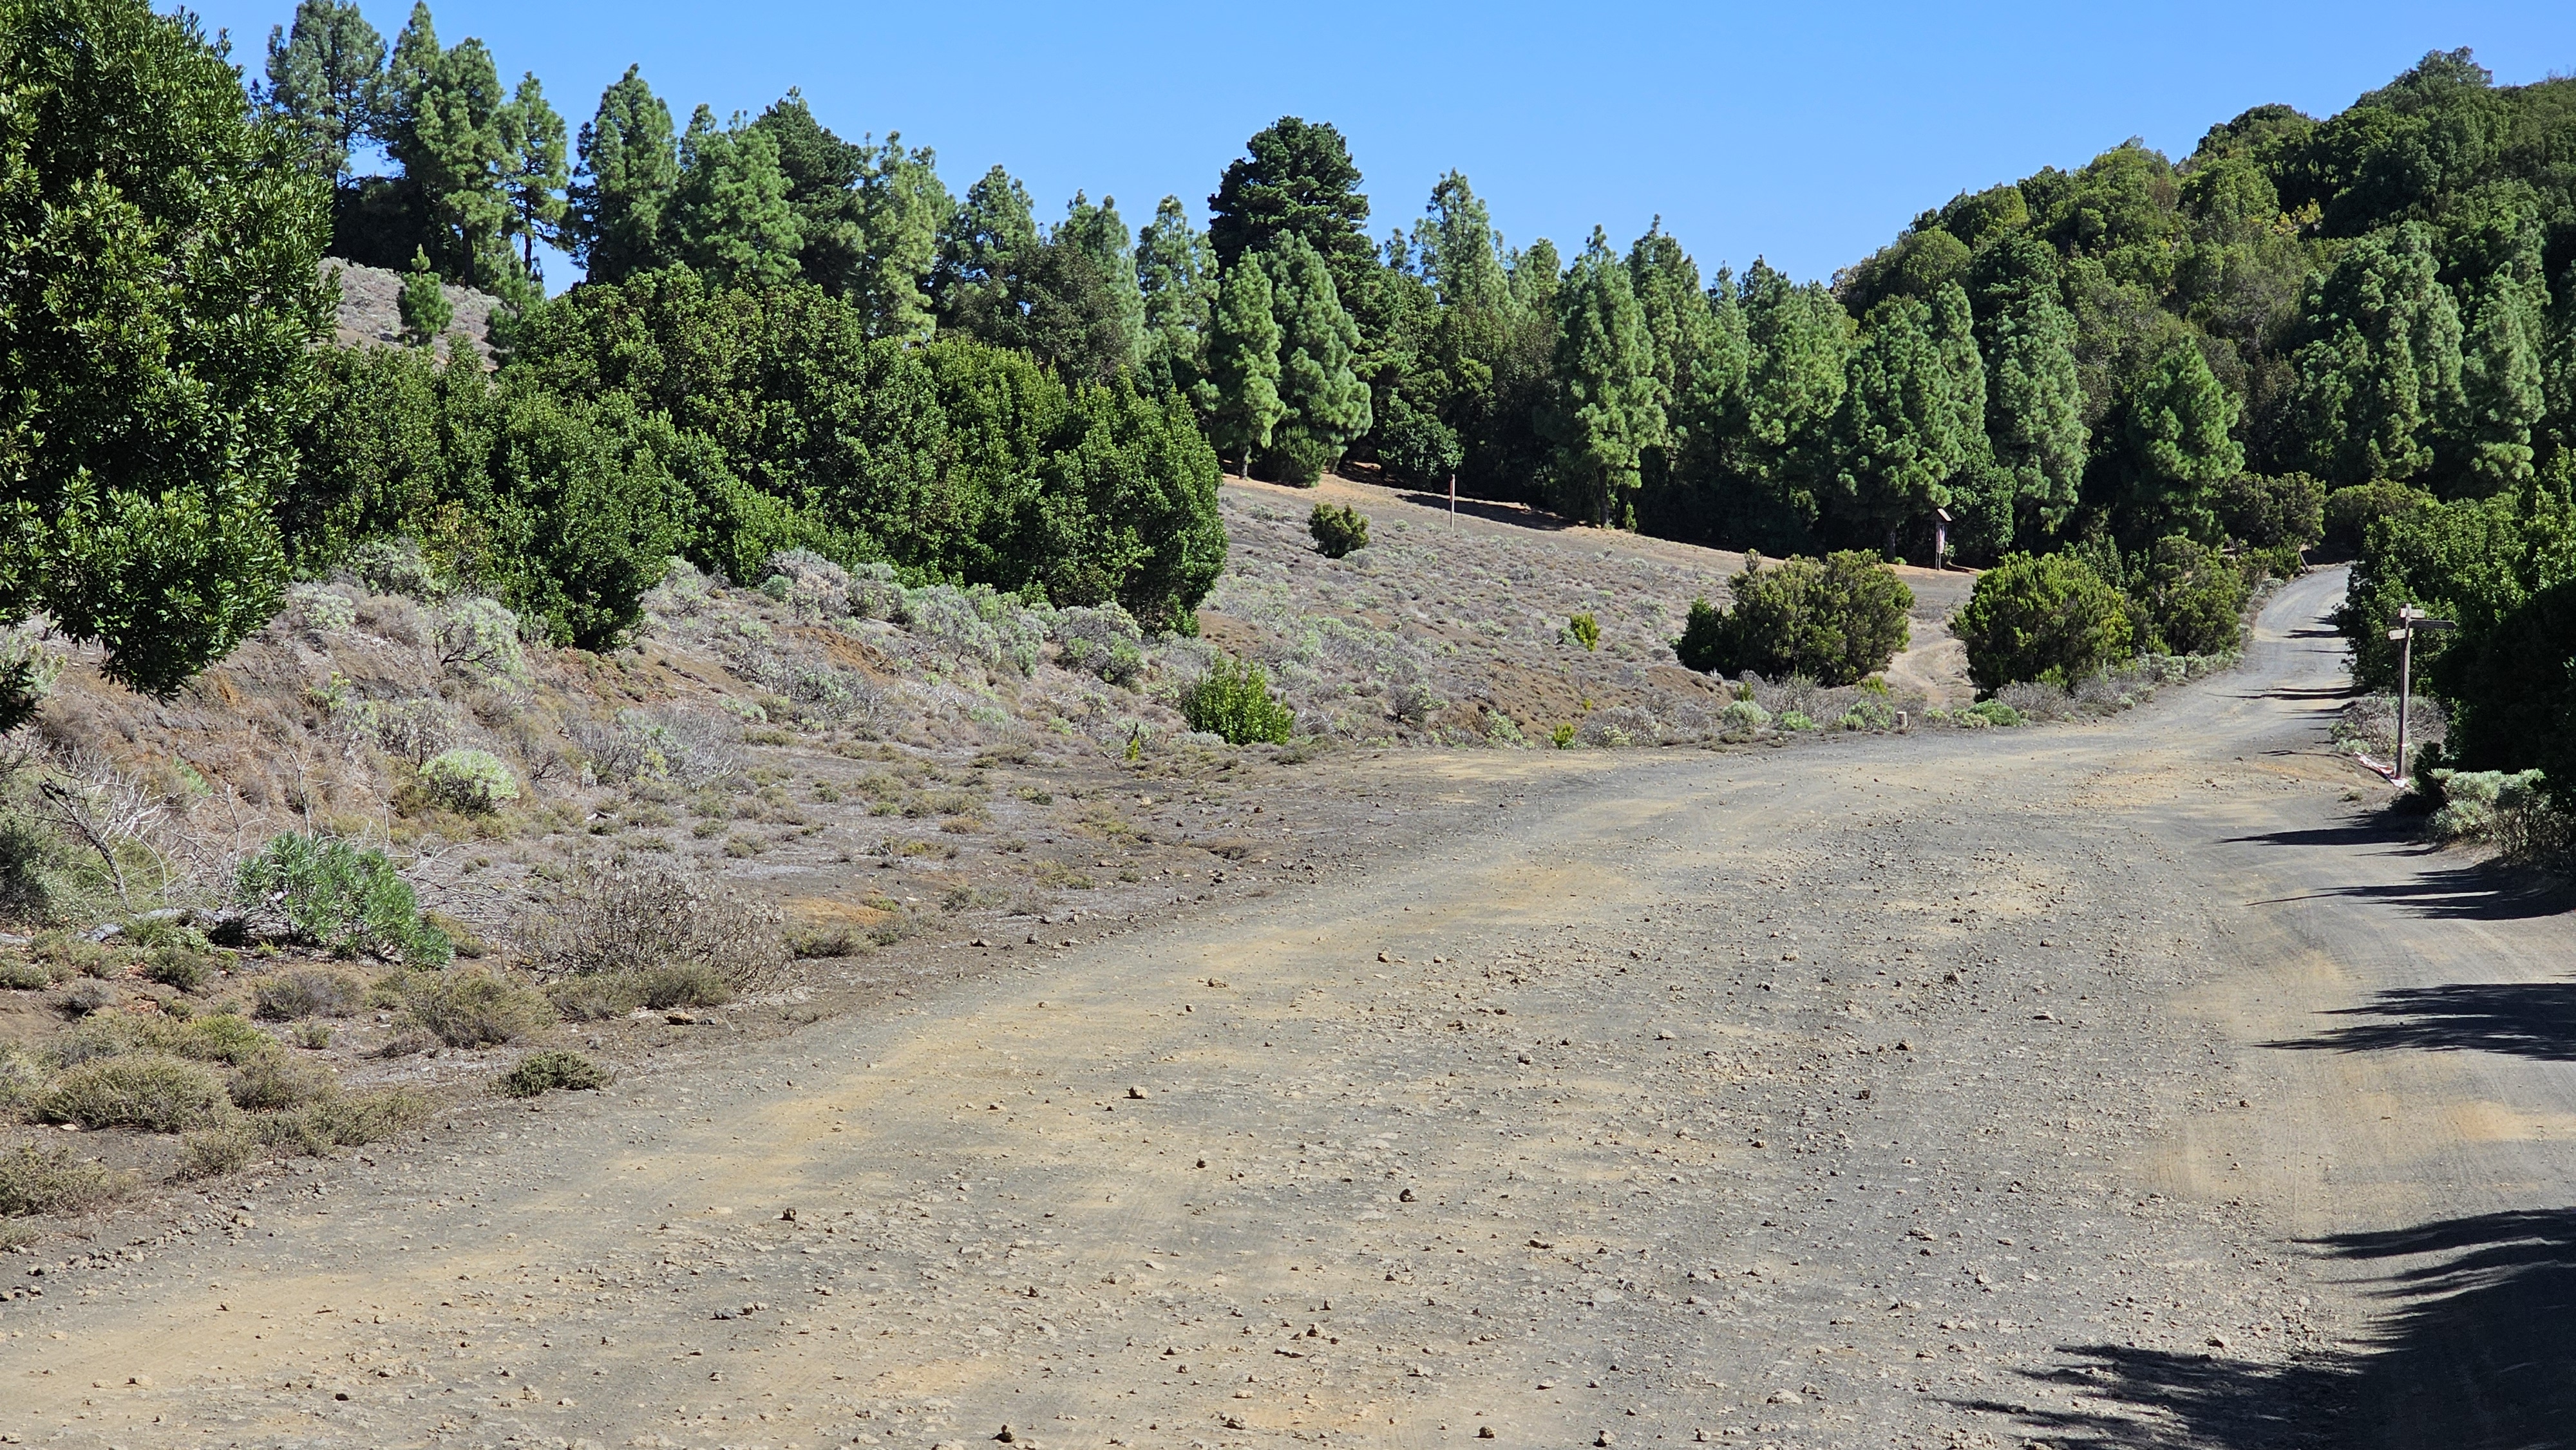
(2112, 1086)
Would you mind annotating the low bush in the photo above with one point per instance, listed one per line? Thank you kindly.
(300, 992)
(595, 998)
(342, 1120)
(552, 1071)
(1743, 715)
(1992, 712)
(1833, 620)
(683, 984)
(18, 974)
(471, 782)
(2041, 617)
(1233, 700)
(476, 1009)
(2503, 808)
(1796, 720)
(1339, 530)
(2190, 598)
(330, 894)
(214, 1152)
(624, 919)
(1868, 715)
(274, 1080)
(2280, 512)
(184, 965)
(149, 1092)
(1584, 630)
(51, 1180)
(479, 638)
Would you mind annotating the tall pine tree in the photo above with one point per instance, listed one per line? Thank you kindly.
(534, 173)
(321, 76)
(730, 218)
(2379, 370)
(2034, 397)
(1176, 279)
(1240, 394)
(1605, 411)
(1911, 428)
(1325, 403)
(630, 166)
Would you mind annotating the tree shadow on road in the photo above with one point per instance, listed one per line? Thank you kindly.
(2478, 1354)
(2523, 1019)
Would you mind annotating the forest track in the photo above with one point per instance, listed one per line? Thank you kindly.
(2116, 1085)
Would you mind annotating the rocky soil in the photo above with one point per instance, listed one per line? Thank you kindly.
(2126, 1086)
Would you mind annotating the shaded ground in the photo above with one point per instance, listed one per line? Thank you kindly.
(1912, 1091)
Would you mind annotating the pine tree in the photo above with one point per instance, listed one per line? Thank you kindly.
(422, 304)
(2501, 393)
(729, 217)
(1605, 410)
(822, 172)
(990, 235)
(1675, 310)
(321, 75)
(2380, 370)
(2173, 440)
(394, 95)
(534, 175)
(901, 203)
(1176, 277)
(1240, 394)
(1295, 179)
(453, 154)
(630, 166)
(1911, 426)
(1102, 236)
(1461, 258)
(2034, 398)
(1326, 403)
(1798, 341)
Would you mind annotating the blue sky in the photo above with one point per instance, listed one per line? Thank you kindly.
(1807, 133)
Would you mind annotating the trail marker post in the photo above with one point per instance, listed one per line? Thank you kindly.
(2409, 620)
(1453, 500)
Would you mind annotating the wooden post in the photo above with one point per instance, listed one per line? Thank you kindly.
(1453, 500)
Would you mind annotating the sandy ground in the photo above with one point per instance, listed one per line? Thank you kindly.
(2108, 1086)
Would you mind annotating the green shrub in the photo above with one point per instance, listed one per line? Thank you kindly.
(2282, 512)
(300, 992)
(1832, 620)
(1743, 715)
(214, 1152)
(1563, 736)
(1796, 720)
(477, 1009)
(51, 1180)
(2474, 802)
(1584, 630)
(274, 1080)
(1233, 700)
(683, 984)
(342, 1120)
(474, 782)
(551, 1071)
(2190, 597)
(1992, 712)
(348, 901)
(150, 1092)
(21, 975)
(1339, 530)
(218, 1037)
(180, 964)
(2042, 617)
(479, 638)
(2349, 512)
(1869, 715)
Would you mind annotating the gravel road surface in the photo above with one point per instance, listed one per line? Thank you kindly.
(2117, 1085)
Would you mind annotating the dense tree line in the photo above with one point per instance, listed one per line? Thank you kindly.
(2130, 351)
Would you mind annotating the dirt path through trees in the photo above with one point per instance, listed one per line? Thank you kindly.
(2092, 1086)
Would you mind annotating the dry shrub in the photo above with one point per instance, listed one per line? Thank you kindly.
(608, 919)
(544, 1072)
(341, 1120)
(306, 992)
(51, 1180)
(595, 998)
(217, 1151)
(476, 1009)
(149, 1092)
(275, 1081)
